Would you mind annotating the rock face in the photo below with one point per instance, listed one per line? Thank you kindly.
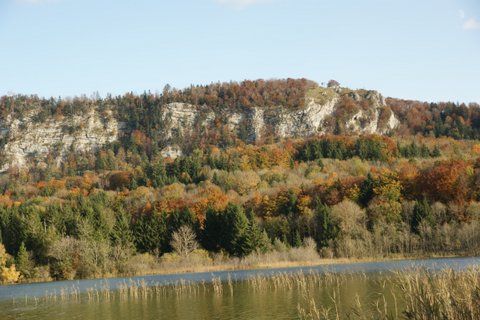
(314, 118)
(179, 117)
(26, 139)
(304, 122)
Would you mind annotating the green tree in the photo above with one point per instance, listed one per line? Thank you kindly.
(150, 232)
(121, 234)
(436, 152)
(177, 219)
(212, 235)
(326, 228)
(421, 212)
(235, 225)
(23, 262)
(254, 239)
(226, 230)
(366, 190)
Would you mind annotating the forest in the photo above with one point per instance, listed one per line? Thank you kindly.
(126, 210)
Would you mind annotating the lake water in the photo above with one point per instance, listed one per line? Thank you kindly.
(216, 295)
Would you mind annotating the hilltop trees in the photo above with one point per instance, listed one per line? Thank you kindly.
(333, 84)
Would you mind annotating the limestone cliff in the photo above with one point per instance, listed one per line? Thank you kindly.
(26, 139)
(319, 115)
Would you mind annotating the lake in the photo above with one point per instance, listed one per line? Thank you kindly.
(244, 294)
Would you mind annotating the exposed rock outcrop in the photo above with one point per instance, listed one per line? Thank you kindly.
(336, 110)
(27, 138)
(282, 122)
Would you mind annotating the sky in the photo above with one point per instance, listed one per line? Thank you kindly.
(426, 50)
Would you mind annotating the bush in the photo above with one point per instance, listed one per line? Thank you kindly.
(141, 264)
(9, 274)
(196, 258)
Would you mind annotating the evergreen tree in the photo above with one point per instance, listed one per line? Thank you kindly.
(254, 239)
(156, 173)
(424, 152)
(366, 190)
(213, 232)
(326, 228)
(179, 218)
(23, 262)
(150, 232)
(121, 233)
(297, 239)
(228, 230)
(236, 225)
(421, 212)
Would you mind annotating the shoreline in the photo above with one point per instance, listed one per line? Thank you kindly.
(281, 264)
(257, 266)
(275, 265)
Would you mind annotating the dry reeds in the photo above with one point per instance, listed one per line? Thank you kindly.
(414, 294)
(447, 294)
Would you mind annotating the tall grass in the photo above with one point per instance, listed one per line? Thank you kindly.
(415, 294)
(447, 294)
(424, 295)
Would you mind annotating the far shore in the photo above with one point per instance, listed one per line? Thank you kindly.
(283, 264)
(238, 265)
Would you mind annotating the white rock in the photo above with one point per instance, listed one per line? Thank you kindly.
(172, 152)
(92, 130)
(29, 139)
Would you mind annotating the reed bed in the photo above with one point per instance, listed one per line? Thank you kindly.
(423, 294)
(415, 294)
(441, 295)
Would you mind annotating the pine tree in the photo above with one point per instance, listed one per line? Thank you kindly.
(212, 235)
(227, 230)
(366, 190)
(150, 232)
(421, 212)
(254, 238)
(326, 228)
(23, 263)
(236, 223)
(297, 240)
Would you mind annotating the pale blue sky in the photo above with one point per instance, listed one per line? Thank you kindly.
(419, 49)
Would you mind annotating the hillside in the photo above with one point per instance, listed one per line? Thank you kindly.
(34, 129)
(271, 170)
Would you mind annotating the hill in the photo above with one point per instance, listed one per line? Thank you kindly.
(261, 170)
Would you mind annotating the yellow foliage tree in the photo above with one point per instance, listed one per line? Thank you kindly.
(3, 256)
(7, 274)
(387, 185)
